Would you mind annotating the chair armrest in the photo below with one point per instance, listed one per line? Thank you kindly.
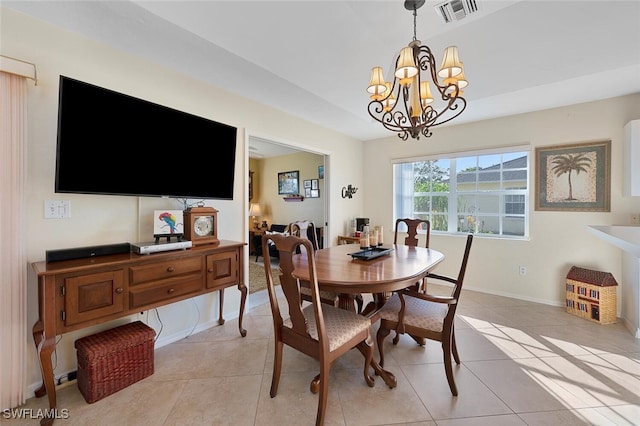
(432, 276)
(429, 297)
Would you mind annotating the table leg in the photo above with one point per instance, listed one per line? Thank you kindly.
(243, 299)
(45, 348)
(220, 319)
(387, 376)
(347, 302)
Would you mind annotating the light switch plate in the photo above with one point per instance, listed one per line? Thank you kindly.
(57, 209)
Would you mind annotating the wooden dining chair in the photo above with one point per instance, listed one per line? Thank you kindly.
(319, 330)
(306, 229)
(413, 225)
(426, 316)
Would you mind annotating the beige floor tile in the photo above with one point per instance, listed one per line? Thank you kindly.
(504, 420)
(581, 417)
(364, 405)
(522, 363)
(217, 401)
(198, 360)
(474, 398)
(294, 404)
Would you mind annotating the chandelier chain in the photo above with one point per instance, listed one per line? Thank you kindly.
(415, 19)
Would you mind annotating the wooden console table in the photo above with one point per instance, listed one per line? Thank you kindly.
(343, 239)
(74, 294)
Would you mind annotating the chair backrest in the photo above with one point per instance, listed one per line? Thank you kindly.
(305, 229)
(412, 231)
(463, 267)
(287, 247)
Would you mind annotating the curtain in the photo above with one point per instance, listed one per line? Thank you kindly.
(13, 259)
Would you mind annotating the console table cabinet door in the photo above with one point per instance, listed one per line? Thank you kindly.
(222, 269)
(92, 296)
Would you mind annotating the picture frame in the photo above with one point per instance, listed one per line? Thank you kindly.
(288, 182)
(168, 222)
(574, 177)
(314, 184)
(307, 192)
(306, 183)
(250, 186)
(315, 193)
(320, 172)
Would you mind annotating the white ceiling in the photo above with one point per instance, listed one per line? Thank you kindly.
(312, 59)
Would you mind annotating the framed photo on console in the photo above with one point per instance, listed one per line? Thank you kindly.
(167, 222)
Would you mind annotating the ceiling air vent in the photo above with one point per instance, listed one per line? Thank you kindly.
(455, 10)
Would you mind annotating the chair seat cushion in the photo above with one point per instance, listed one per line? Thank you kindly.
(325, 295)
(341, 325)
(418, 313)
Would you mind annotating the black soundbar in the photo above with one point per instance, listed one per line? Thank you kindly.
(84, 252)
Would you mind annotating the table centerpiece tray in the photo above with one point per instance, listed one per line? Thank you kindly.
(371, 253)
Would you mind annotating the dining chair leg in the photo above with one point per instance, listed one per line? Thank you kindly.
(380, 336)
(323, 392)
(454, 347)
(359, 302)
(448, 367)
(277, 368)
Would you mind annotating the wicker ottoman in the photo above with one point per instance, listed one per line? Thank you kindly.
(114, 359)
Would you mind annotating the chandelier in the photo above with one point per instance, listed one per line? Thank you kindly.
(406, 105)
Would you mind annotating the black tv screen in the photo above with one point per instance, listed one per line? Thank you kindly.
(112, 143)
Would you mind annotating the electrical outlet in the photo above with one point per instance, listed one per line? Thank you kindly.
(635, 218)
(522, 270)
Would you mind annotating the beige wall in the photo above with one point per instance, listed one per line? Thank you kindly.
(557, 240)
(109, 219)
(275, 209)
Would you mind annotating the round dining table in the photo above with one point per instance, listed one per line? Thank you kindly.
(348, 270)
(340, 272)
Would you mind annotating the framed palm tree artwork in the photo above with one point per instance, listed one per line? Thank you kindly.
(574, 177)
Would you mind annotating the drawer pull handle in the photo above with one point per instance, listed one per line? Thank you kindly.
(210, 270)
(119, 290)
(171, 290)
(170, 269)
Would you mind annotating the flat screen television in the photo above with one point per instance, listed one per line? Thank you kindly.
(116, 144)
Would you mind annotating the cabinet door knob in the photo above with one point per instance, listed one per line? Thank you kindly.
(119, 290)
(171, 290)
(210, 270)
(170, 269)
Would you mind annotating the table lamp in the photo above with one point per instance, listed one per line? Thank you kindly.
(254, 211)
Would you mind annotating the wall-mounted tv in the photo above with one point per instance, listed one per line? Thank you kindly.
(112, 143)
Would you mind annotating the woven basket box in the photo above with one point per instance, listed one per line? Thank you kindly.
(591, 295)
(114, 359)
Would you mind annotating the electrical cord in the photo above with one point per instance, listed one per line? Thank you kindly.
(197, 318)
(161, 325)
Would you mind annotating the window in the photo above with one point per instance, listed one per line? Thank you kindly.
(487, 195)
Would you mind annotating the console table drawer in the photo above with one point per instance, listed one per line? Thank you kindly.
(162, 270)
(141, 297)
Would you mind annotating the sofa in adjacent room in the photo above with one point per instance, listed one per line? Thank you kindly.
(257, 240)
